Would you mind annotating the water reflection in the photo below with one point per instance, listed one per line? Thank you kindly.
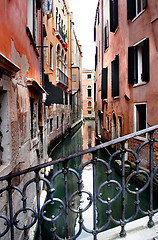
(83, 139)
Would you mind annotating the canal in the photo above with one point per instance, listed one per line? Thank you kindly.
(82, 139)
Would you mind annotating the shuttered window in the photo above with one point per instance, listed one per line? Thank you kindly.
(113, 15)
(106, 37)
(115, 77)
(139, 63)
(135, 7)
(104, 83)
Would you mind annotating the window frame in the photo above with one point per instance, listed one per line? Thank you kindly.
(132, 8)
(133, 63)
(136, 127)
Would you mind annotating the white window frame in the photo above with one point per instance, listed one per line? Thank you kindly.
(139, 61)
(141, 2)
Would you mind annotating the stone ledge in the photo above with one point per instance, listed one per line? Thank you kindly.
(135, 230)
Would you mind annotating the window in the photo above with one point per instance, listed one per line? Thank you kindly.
(57, 122)
(115, 77)
(33, 110)
(94, 34)
(135, 7)
(113, 15)
(106, 37)
(89, 91)
(119, 126)
(88, 76)
(104, 83)
(32, 19)
(89, 112)
(51, 124)
(98, 17)
(140, 116)
(138, 63)
(89, 104)
(51, 56)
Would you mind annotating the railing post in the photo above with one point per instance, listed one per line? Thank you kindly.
(94, 197)
(65, 171)
(122, 221)
(11, 208)
(151, 222)
(38, 205)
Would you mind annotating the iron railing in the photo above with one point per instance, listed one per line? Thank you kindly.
(62, 78)
(13, 216)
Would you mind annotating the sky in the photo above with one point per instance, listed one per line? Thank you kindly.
(84, 17)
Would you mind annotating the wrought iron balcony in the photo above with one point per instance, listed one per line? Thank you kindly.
(62, 78)
(60, 34)
(20, 216)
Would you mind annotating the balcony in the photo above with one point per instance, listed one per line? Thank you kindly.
(62, 78)
(21, 210)
(60, 34)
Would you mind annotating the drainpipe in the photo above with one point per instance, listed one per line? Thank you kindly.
(42, 58)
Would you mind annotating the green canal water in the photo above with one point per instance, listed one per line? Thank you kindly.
(76, 143)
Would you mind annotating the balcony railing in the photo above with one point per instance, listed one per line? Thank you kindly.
(21, 214)
(60, 34)
(62, 78)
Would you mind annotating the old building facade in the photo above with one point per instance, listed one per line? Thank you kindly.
(126, 72)
(59, 38)
(88, 83)
(76, 75)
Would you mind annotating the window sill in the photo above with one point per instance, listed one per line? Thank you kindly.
(116, 30)
(138, 15)
(139, 84)
(117, 97)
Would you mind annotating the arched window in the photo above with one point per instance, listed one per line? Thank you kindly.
(113, 126)
(89, 91)
(65, 64)
(62, 61)
(58, 60)
(89, 103)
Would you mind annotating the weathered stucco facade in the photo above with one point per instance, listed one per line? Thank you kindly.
(126, 67)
